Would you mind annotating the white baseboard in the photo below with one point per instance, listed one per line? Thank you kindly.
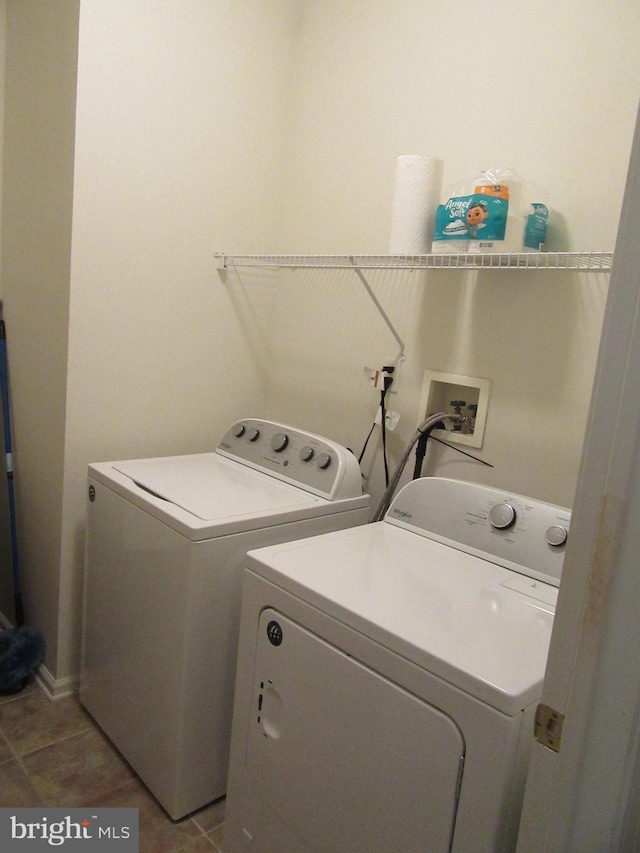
(51, 687)
(56, 688)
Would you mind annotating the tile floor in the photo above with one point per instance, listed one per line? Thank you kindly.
(53, 754)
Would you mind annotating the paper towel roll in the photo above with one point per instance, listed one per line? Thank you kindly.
(416, 197)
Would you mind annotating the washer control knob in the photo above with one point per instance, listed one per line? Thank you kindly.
(279, 442)
(307, 453)
(253, 434)
(239, 430)
(324, 460)
(502, 516)
(556, 535)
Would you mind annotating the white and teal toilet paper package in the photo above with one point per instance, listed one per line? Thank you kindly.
(490, 212)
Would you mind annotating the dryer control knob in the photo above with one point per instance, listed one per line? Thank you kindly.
(307, 453)
(253, 434)
(324, 460)
(502, 516)
(557, 535)
(239, 430)
(279, 442)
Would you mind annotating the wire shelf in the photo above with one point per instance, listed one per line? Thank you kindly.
(583, 261)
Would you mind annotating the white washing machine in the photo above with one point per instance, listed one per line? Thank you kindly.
(166, 542)
(388, 677)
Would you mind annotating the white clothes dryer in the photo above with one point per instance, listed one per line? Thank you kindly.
(388, 677)
(166, 542)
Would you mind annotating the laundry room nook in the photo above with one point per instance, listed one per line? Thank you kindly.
(205, 256)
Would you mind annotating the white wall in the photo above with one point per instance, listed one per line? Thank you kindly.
(220, 125)
(124, 339)
(7, 598)
(3, 50)
(41, 60)
(180, 124)
(550, 89)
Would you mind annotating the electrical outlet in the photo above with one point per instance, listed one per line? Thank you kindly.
(465, 395)
(385, 376)
(390, 419)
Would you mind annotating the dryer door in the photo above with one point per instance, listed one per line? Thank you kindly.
(340, 757)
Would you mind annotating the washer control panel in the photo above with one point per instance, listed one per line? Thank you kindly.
(515, 531)
(302, 458)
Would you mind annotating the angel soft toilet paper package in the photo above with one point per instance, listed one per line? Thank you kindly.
(490, 212)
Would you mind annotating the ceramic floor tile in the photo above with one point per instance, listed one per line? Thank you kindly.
(32, 687)
(16, 791)
(52, 753)
(158, 833)
(210, 816)
(32, 721)
(202, 845)
(73, 770)
(6, 753)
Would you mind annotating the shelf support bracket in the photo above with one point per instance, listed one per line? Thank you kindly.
(358, 271)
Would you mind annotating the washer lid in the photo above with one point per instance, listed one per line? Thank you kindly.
(447, 611)
(211, 487)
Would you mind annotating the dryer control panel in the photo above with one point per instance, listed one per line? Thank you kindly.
(316, 464)
(517, 532)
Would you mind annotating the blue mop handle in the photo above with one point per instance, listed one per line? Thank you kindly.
(4, 386)
(4, 383)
